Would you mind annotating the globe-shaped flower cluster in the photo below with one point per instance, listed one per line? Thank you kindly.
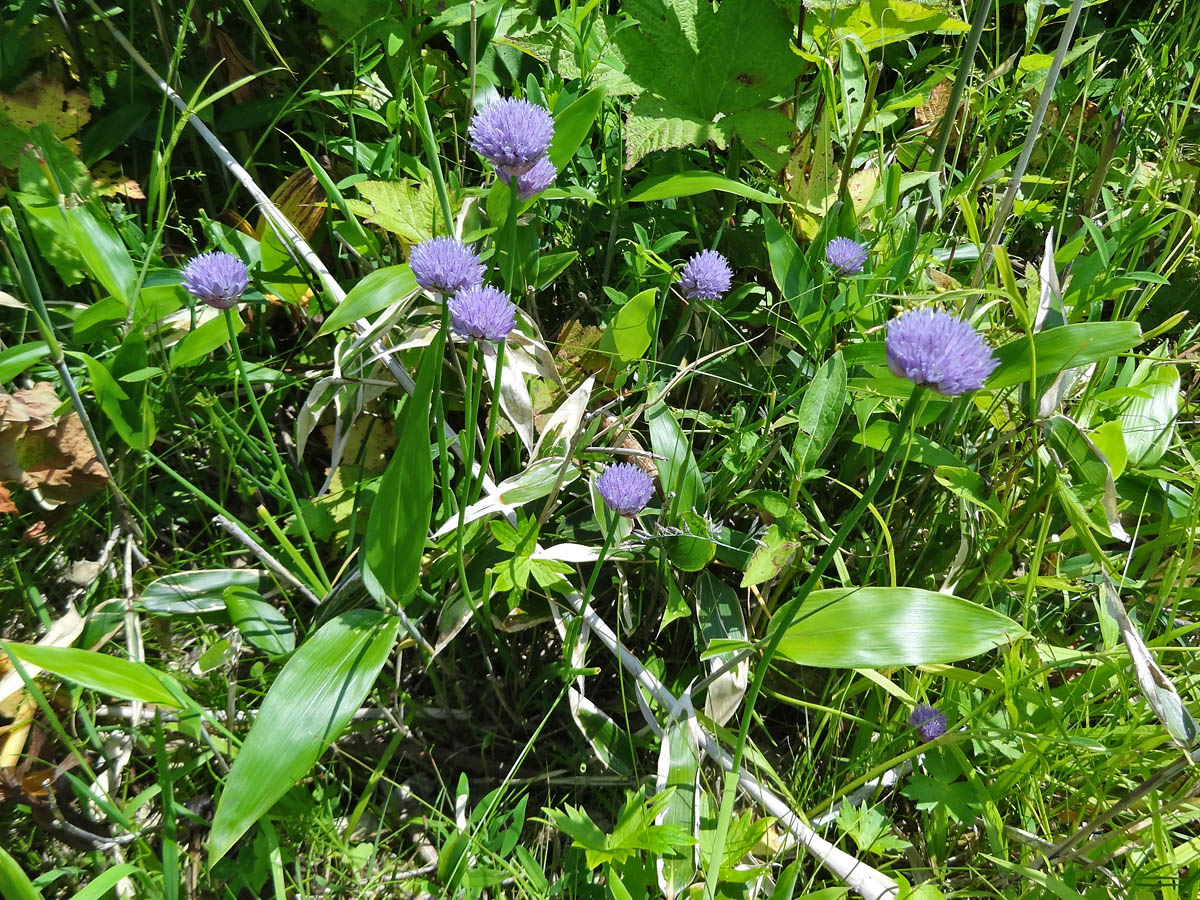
(706, 276)
(536, 180)
(512, 134)
(216, 278)
(482, 313)
(445, 265)
(928, 720)
(845, 255)
(624, 488)
(934, 349)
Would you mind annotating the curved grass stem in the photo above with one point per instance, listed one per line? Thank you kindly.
(268, 436)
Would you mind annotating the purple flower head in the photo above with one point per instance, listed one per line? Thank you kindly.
(512, 134)
(217, 278)
(625, 488)
(928, 720)
(482, 312)
(445, 264)
(845, 255)
(536, 180)
(933, 348)
(706, 276)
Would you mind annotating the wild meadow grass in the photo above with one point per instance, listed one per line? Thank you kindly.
(622, 450)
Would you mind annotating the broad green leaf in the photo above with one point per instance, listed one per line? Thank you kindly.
(307, 707)
(100, 672)
(115, 402)
(720, 617)
(1148, 422)
(968, 485)
(699, 68)
(572, 125)
(405, 208)
(632, 328)
(102, 251)
(199, 344)
(202, 591)
(819, 413)
(16, 360)
(679, 771)
(874, 22)
(377, 291)
(656, 124)
(693, 549)
(399, 519)
(769, 557)
(1067, 346)
(879, 435)
(260, 623)
(551, 265)
(685, 184)
(678, 472)
(14, 883)
(99, 886)
(788, 267)
(875, 627)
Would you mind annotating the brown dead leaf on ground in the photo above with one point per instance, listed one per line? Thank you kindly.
(43, 451)
(7, 507)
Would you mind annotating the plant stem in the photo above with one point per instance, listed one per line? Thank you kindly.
(783, 620)
(318, 568)
(489, 443)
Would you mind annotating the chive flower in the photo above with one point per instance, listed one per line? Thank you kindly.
(218, 278)
(625, 488)
(536, 180)
(446, 265)
(511, 134)
(706, 276)
(482, 313)
(932, 348)
(929, 722)
(845, 255)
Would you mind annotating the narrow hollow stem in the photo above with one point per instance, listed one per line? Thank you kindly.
(493, 414)
(269, 437)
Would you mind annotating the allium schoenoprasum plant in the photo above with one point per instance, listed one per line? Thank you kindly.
(726, 450)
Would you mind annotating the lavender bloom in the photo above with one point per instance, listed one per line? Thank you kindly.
(482, 312)
(933, 348)
(928, 720)
(536, 180)
(845, 255)
(217, 278)
(446, 265)
(706, 276)
(512, 134)
(625, 488)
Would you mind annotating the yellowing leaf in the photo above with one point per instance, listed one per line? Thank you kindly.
(35, 101)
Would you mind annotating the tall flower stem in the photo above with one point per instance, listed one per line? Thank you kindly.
(269, 437)
(493, 413)
(439, 410)
(783, 619)
(585, 601)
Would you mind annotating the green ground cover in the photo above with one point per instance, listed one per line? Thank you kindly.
(856, 560)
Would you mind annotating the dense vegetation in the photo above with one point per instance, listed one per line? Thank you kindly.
(330, 575)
